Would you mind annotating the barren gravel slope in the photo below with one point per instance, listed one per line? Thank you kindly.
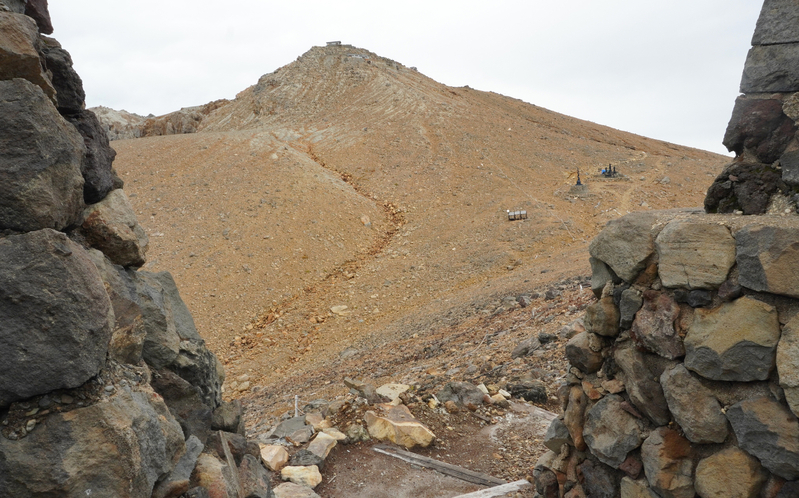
(346, 179)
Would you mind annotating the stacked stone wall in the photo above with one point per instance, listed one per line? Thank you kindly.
(686, 375)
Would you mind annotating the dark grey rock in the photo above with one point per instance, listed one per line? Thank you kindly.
(601, 274)
(557, 435)
(229, 417)
(529, 389)
(305, 458)
(789, 163)
(654, 325)
(766, 257)
(611, 431)
(230, 445)
(16, 6)
(694, 253)
(730, 290)
(770, 432)
(777, 23)
(254, 478)
(289, 427)
(161, 343)
(185, 403)
(694, 407)
(735, 342)
(546, 338)
(524, 300)
(642, 384)
(55, 313)
(40, 181)
(699, 298)
(111, 226)
(744, 186)
(625, 244)
(37, 9)
(525, 347)
(546, 483)
(599, 480)
(629, 304)
(789, 490)
(462, 393)
(120, 447)
(581, 355)
(771, 68)
(178, 480)
(69, 87)
(96, 165)
(602, 318)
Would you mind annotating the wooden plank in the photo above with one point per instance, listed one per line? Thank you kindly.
(445, 468)
(498, 491)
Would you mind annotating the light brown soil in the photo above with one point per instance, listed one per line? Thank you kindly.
(352, 181)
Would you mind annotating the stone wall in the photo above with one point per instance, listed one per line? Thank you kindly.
(764, 177)
(686, 380)
(107, 389)
(686, 377)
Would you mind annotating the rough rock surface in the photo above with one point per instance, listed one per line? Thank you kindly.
(654, 326)
(768, 258)
(761, 126)
(611, 432)
(40, 181)
(111, 226)
(771, 68)
(117, 448)
(770, 432)
(730, 473)
(70, 96)
(641, 382)
(693, 406)
(694, 254)
(399, 426)
(304, 476)
(625, 244)
(667, 463)
(602, 318)
(629, 304)
(788, 363)
(743, 186)
(53, 303)
(582, 355)
(291, 490)
(735, 342)
(96, 166)
(19, 57)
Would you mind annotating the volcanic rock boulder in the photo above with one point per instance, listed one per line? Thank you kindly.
(40, 159)
(55, 313)
(19, 57)
(121, 447)
(111, 226)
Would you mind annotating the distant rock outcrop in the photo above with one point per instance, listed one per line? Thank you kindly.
(107, 389)
(121, 125)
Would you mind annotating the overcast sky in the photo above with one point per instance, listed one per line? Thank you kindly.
(668, 69)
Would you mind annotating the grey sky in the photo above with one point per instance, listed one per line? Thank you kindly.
(666, 70)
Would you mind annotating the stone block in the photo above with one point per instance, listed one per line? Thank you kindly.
(40, 181)
(694, 407)
(611, 431)
(788, 363)
(730, 473)
(602, 318)
(111, 227)
(625, 244)
(56, 315)
(399, 426)
(769, 431)
(694, 254)
(654, 327)
(768, 258)
(304, 476)
(667, 464)
(274, 457)
(19, 55)
(581, 355)
(735, 342)
(642, 386)
(771, 68)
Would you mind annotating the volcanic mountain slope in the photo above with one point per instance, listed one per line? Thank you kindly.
(347, 179)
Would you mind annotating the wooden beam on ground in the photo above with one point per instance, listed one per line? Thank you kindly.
(445, 468)
(498, 491)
